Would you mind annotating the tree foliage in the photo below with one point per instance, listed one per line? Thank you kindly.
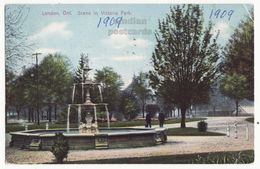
(186, 57)
(79, 72)
(234, 86)
(239, 54)
(111, 83)
(129, 106)
(9, 90)
(55, 80)
(141, 89)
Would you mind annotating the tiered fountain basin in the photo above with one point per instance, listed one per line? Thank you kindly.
(103, 139)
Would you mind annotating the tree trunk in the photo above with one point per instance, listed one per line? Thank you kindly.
(29, 114)
(18, 114)
(32, 115)
(195, 111)
(49, 113)
(55, 112)
(18, 110)
(236, 107)
(42, 115)
(143, 107)
(183, 113)
(178, 112)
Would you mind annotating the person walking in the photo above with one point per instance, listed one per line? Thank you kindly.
(161, 119)
(148, 120)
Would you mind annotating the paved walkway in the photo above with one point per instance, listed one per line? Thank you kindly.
(175, 145)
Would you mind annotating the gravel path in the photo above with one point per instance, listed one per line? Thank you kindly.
(175, 145)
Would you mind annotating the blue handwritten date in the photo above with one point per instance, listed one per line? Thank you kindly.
(221, 14)
(109, 21)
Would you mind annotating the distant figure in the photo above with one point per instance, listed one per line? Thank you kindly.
(161, 119)
(148, 120)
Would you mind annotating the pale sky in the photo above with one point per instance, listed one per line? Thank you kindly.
(73, 34)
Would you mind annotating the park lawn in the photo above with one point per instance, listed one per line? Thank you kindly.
(190, 131)
(237, 157)
(20, 127)
(142, 122)
(250, 119)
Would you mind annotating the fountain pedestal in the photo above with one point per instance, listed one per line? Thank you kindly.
(88, 127)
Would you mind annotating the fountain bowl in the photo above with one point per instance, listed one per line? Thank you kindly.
(104, 138)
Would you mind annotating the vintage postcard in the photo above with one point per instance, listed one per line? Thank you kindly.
(129, 83)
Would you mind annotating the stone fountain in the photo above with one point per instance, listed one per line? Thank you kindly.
(86, 110)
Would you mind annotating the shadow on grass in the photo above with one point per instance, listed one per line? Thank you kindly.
(190, 131)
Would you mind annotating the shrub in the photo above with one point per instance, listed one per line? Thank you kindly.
(60, 148)
(243, 157)
(202, 126)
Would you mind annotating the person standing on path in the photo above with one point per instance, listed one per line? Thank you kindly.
(148, 120)
(161, 119)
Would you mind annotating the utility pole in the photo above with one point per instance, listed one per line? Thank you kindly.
(37, 87)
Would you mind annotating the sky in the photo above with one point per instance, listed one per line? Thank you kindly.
(86, 28)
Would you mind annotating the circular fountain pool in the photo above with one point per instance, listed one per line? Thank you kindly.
(104, 138)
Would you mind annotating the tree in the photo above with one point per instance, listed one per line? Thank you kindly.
(141, 89)
(111, 83)
(234, 86)
(25, 95)
(129, 106)
(9, 91)
(78, 78)
(79, 72)
(239, 54)
(186, 57)
(55, 82)
(17, 45)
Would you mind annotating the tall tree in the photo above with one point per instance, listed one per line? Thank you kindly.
(234, 86)
(17, 45)
(111, 83)
(239, 54)
(55, 81)
(141, 89)
(186, 56)
(78, 78)
(25, 95)
(79, 72)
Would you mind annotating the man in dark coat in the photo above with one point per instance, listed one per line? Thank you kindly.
(161, 119)
(148, 120)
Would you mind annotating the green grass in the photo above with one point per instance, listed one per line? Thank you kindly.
(189, 131)
(241, 157)
(19, 127)
(250, 119)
